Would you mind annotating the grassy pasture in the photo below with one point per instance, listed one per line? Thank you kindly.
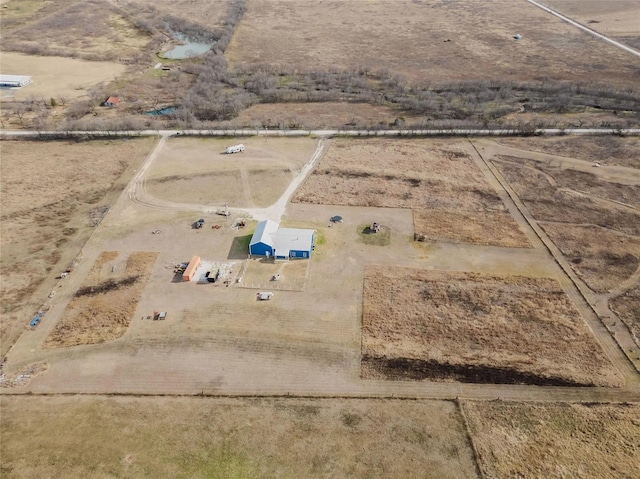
(476, 328)
(227, 438)
(427, 40)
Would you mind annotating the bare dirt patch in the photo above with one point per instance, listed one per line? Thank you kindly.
(601, 257)
(223, 438)
(475, 328)
(56, 77)
(627, 307)
(53, 193)
(418, 174)
(555, 440)
(104, 305)
(456, 45)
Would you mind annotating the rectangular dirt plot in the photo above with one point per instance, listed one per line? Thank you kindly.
(476, 328)
(103, 306)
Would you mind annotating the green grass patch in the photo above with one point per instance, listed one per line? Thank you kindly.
(380, 238)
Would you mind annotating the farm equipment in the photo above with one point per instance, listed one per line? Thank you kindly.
(198, 224)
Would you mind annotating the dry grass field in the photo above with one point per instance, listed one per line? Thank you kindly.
(431, 177)
(607, 150)
(555, 440)
(604, 259)
(84, 29)
(232, 438)
(103, 306)
(204, 175)
(627, 307)
(614, 18)
(476, 328)
(425, 40)
(52, 195)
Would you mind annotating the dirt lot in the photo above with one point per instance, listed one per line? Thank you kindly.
(615, 18)
(56, 77)
(46, 218)
(102, 308)
(555, 440)
(224, 438)
(476, 328)
(455, 46)
(432, 177)
(193, 170)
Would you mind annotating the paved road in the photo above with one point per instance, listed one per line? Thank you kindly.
(325, 133)
(586, 29)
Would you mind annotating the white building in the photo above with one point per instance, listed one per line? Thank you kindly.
(14, 81)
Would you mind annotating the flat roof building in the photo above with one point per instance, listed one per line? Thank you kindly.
(281, 243)
(14, 81)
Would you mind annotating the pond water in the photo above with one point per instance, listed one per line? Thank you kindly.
(188, 48)
(162, 111)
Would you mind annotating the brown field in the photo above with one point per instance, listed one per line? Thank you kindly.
(226, 438)
(84, 29)
(205, 175)
(448, 41)
(627, 307)
(607, 150)
(52, 195)
(491, 228)
(56, 77)
(206, 14)
(555, 440)
(614, 18)
(434, 175)
(103, 307)
(474, 328)
(602, 258)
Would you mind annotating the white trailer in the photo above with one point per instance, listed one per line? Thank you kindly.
(234, 149)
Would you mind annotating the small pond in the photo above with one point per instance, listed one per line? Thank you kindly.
(188, 48)
(162, 111)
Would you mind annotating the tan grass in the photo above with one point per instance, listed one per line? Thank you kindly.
(410, 38)
(104, 305)
(490, 228)
(627, 307)
(555, 440)
(603, 258)
(51, 195)
(226, 438)
(425, 175)
(477, 328)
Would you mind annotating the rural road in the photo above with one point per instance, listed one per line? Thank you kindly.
(586, 29)
(324, 133)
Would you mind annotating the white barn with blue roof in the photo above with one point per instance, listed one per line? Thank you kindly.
(281, 243)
